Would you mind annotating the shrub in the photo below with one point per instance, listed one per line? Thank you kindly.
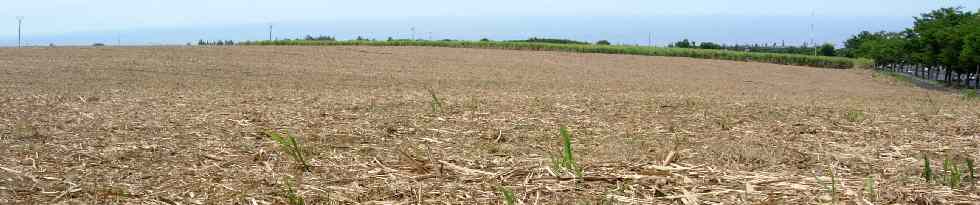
(602, 42)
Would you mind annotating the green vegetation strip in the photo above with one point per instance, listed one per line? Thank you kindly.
(776, 58)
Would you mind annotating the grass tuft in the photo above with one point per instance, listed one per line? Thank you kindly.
(436, 104)
(855, 116)
(291, 147)
(833, 185)
(830, 188)
(291, 197)
(970, 94)
(566, 163)
(952, 175)
(509, 198)
(926, 168)
(869, 187)
(969, 167)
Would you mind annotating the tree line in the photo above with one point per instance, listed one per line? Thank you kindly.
(529, 40)
(215, 43)
(822, 50)
(943, 42)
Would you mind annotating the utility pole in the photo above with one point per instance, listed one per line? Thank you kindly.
(118, 39)
(20, 20)
(650, 40)
(270, 32)
(813, 14)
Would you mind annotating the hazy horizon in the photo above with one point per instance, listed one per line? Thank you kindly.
(72, 22)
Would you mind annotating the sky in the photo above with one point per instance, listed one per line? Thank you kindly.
(620, 21)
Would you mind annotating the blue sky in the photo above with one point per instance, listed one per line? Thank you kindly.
(81, 21)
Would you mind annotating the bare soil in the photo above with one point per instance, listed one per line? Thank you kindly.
(185, 125)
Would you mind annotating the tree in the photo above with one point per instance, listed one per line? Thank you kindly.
(683, 44)
(888, 49)
(852, 44)
(602, 42)
(939, 38)
(709, 45)
(970, 55)
(827, 49)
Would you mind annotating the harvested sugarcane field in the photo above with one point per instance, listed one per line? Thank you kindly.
(433, 125)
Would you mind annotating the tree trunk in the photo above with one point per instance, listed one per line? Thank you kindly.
(976, 82)
(929, 71)
(952, 78)
(947, 76)
(966, 80)
(962, 79)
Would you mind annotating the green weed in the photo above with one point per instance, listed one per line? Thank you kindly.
(969, 167)
(952, 174)
(869, 187)
(509, 198)
(831, 188)
(855, 116)
(291, 197)
(926, 168)
(291, 147)
(566, 163)
(833, 185)
(969, 94)
(436, 104)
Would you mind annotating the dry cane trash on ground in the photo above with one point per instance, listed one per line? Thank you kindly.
(410, 125)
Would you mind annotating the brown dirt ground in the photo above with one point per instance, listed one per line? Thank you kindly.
(184, 125)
